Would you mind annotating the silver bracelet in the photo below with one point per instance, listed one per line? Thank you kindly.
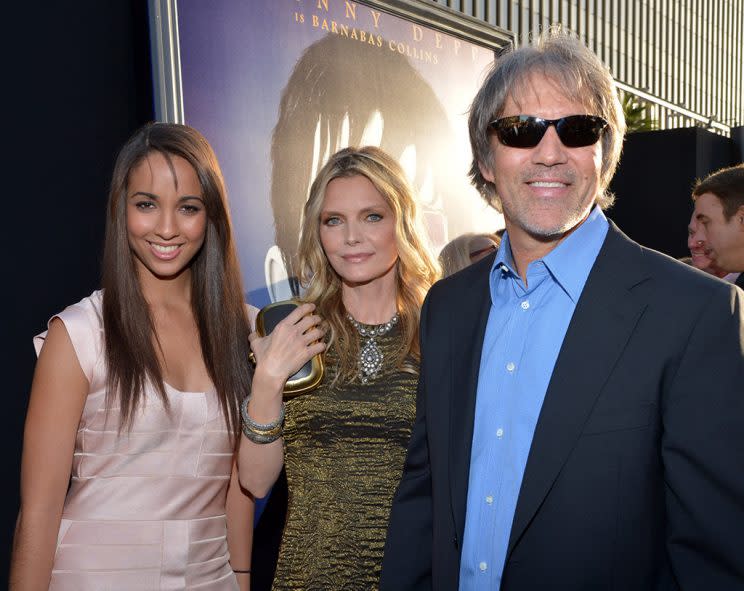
(261, 432)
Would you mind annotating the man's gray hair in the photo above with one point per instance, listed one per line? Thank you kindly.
(581, 76)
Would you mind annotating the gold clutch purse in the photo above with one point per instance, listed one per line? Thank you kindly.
(309, 375)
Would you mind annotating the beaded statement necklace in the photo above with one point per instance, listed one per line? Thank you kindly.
(370, 355)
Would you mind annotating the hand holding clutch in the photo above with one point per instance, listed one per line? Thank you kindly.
(288, 340)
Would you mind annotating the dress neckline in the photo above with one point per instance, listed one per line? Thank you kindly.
(186, 392)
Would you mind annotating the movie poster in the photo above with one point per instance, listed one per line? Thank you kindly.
(277, 86)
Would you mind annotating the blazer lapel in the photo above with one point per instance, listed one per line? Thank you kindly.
(605, 317)
(467, 332)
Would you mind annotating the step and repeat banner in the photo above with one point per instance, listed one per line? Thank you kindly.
(277, 86)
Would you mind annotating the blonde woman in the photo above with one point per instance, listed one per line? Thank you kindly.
(366, 269)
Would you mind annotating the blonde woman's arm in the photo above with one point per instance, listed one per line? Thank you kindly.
(294, 341)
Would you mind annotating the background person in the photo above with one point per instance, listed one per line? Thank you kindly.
(719, 213)
(700, 252)
(465, 250)
(367, 271)
(134, 402)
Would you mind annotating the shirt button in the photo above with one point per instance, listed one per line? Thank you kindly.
(525, 305)
(510, 366)
(483, 567)
(489, 500)
(499, 432)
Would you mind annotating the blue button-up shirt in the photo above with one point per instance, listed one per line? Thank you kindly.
(525, 331)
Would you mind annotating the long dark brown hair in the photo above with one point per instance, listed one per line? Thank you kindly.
(216, 293)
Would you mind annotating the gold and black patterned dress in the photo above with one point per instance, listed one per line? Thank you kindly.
(344, 453)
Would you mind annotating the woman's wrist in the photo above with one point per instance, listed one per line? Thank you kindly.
(266, 385)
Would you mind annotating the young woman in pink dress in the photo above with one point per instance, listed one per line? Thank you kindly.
(128, 477)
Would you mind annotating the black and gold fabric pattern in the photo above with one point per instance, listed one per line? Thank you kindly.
(344, 451)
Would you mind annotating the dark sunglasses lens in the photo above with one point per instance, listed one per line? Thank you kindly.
(578, 131)
(523, 131)
(520, 132)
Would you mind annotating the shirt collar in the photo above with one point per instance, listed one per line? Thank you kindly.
(571, 261)
(504, 260)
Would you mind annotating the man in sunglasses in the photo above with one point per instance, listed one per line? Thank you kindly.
(580, 420)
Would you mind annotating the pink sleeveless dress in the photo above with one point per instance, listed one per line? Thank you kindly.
(145, 509)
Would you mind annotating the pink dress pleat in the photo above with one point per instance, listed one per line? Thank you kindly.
(146, 508)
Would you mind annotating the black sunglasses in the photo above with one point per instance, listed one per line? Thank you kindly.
(526, 131)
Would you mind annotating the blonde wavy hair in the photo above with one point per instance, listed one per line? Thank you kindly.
(416, 268)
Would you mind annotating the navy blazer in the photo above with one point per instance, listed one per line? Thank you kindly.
(635, 476)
